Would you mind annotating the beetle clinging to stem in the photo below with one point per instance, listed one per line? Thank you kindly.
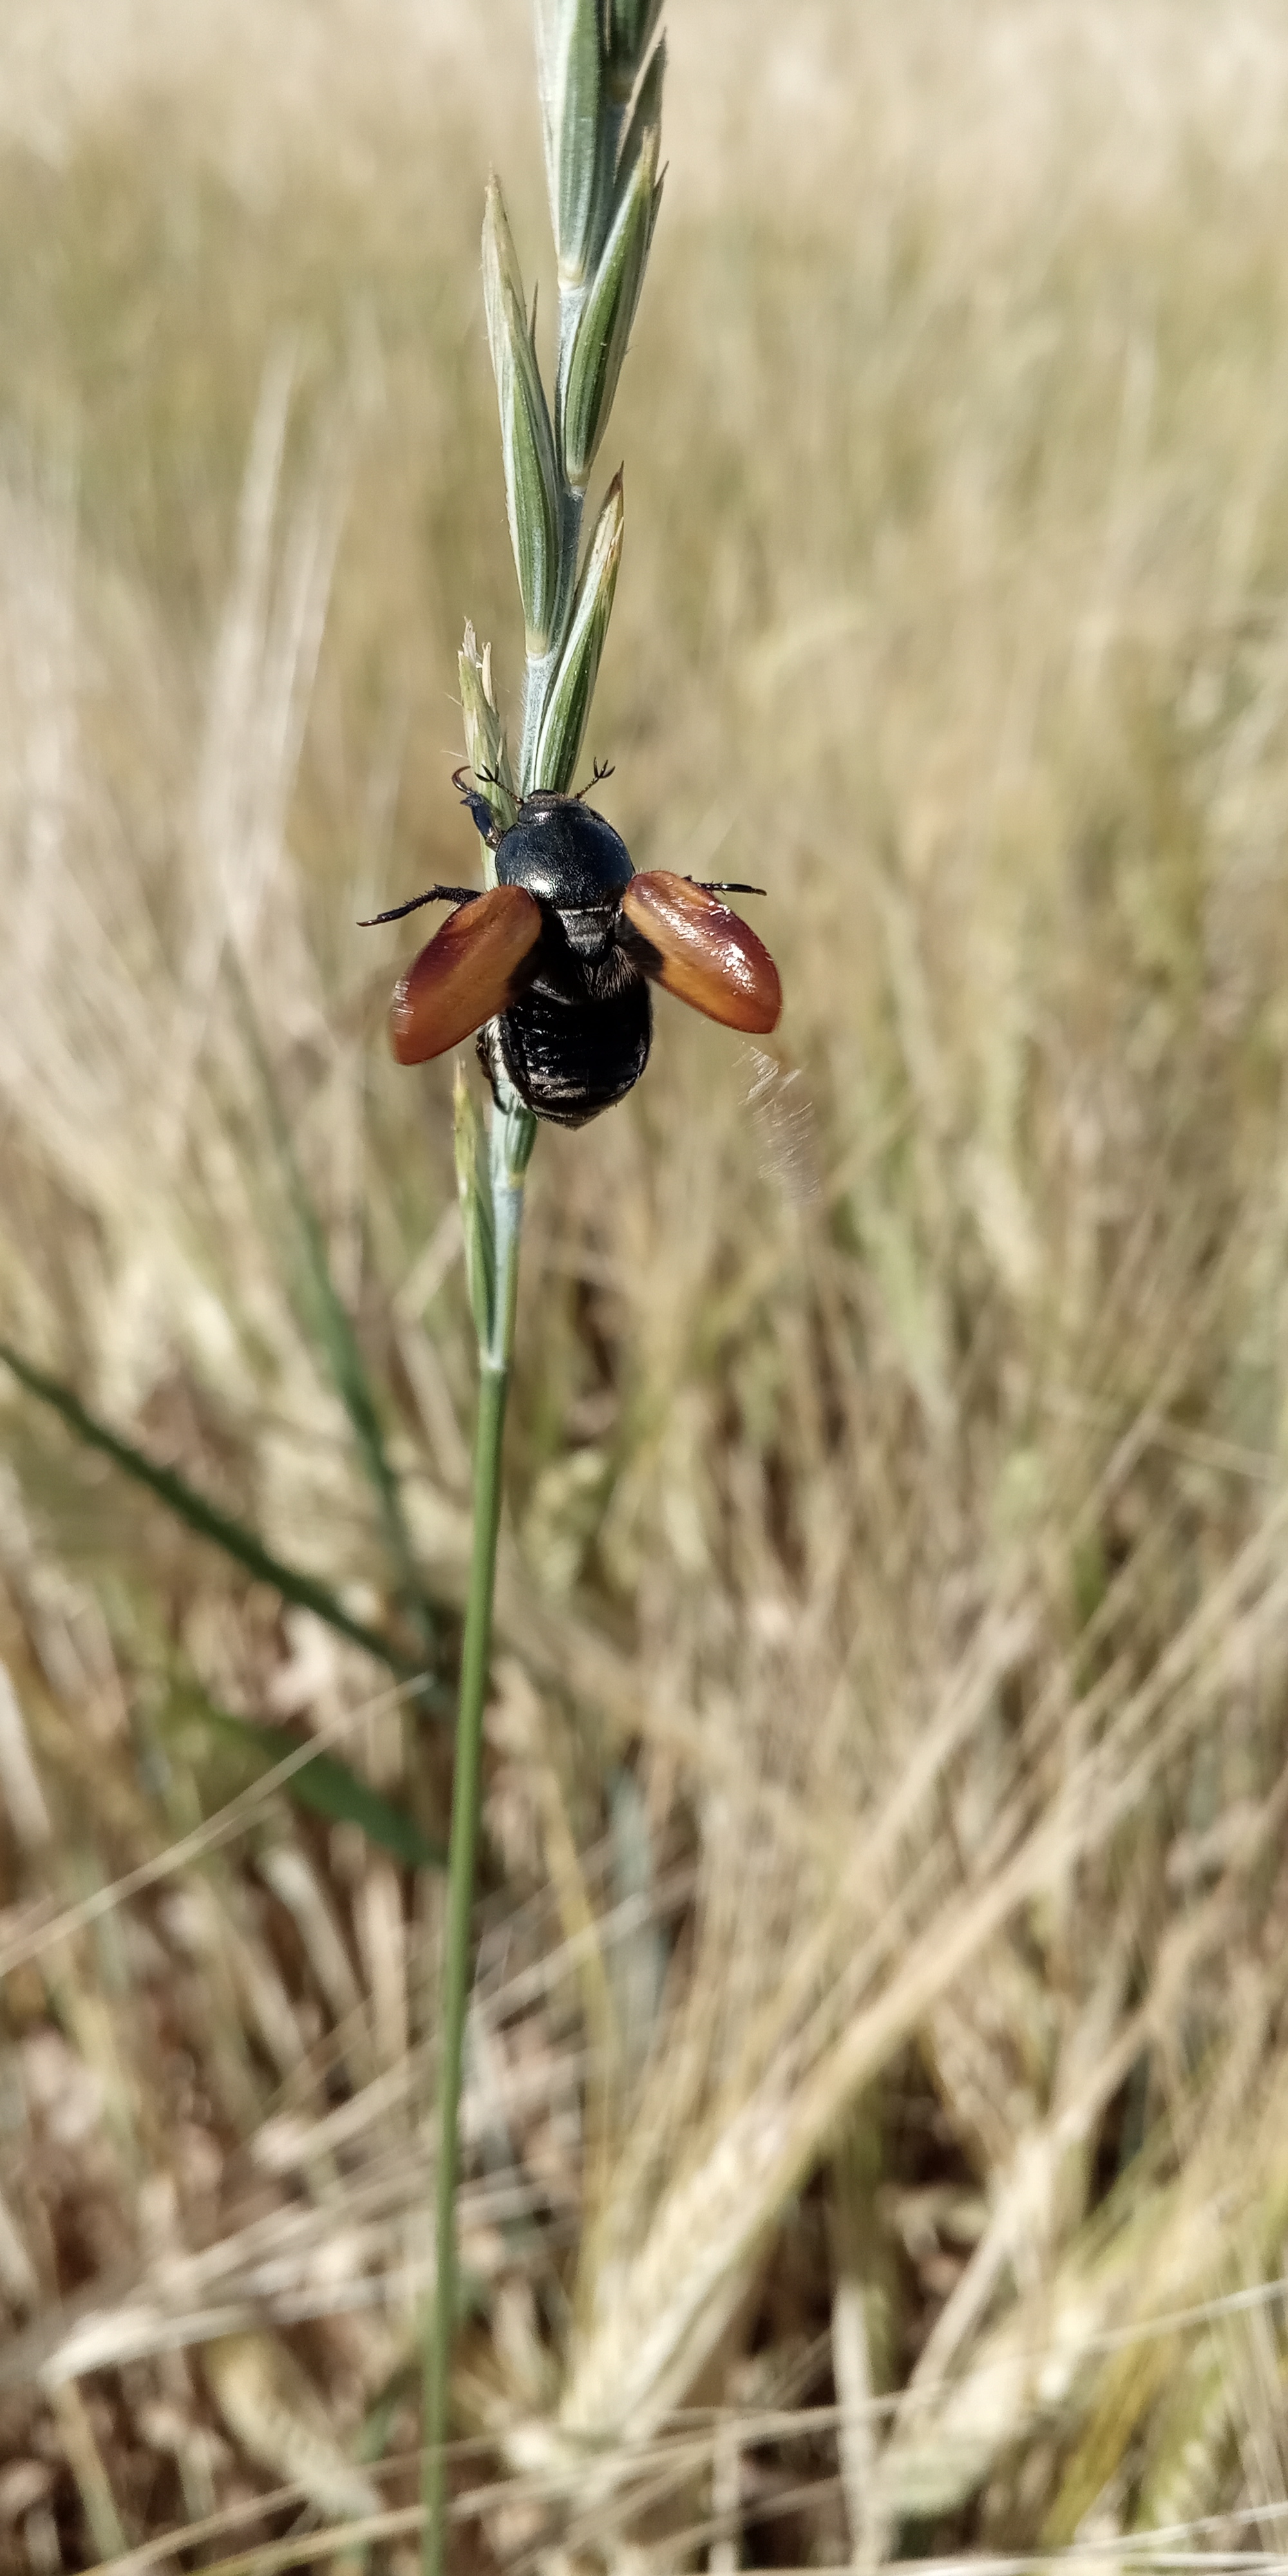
(552, 964)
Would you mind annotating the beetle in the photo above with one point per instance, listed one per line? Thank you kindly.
(552, 965)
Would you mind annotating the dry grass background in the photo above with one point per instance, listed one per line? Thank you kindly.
(878, 2101)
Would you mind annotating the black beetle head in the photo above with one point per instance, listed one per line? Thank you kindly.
(565, 854)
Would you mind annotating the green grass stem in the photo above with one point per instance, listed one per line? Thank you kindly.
(493, 1214)
(466, 1791)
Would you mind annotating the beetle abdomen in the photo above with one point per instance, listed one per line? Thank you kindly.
(569, 1060)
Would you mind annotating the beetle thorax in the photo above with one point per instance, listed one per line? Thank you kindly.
(567, 856)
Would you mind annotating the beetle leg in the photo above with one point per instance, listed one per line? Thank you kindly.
(436, 894)
(599, 771)
(705, 885)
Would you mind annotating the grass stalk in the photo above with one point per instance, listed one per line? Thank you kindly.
(493, 1210)
(594, 56)
(466, 1793)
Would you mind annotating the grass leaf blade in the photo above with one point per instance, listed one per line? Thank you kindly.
(334, 1330)
(204, 1517)
(330, 1789)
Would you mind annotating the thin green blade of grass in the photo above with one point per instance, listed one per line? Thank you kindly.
(328, 1788)
(325, 1313)
(198, 1514)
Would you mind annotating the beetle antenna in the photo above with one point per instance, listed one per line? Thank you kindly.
(599, 770)
(705, 888)
(436, 894)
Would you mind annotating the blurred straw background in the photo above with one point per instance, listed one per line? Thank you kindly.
(877, 2097)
